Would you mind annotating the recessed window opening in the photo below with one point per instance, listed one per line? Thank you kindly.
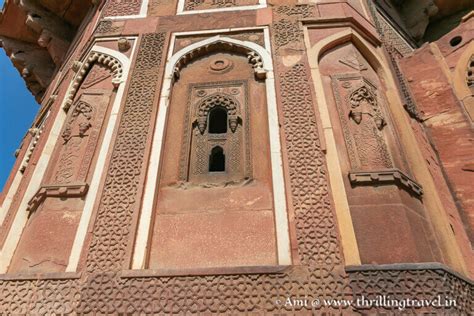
(218, 120)
(217, 160)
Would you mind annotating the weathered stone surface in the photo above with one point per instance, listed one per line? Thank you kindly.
(212, 242)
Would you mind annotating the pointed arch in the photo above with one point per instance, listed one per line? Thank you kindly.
(258, 56)
(111, 59)
(315, 52)
(348, 35)
(262, 63)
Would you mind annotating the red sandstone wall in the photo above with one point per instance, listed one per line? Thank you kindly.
(431, 75)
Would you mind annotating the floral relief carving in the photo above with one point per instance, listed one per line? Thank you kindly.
(362, 122)
(81, 110)
(364, 103)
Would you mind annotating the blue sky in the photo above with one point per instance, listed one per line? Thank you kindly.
(17, 111)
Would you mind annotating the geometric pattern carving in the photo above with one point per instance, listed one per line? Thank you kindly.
(286, 32)
(308, 174)
(103, 290)
(122, 7)
(110, 236)
(109, 293)
(287, 29)
(413, 281)
(396, 47)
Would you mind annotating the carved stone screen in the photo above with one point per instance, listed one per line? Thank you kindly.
(218, 127)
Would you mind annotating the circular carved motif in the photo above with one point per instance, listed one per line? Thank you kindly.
(221, 65)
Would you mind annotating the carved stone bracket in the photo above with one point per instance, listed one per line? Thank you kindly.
(257, 63)
(113, 64)
(70, 190)
(388, 176)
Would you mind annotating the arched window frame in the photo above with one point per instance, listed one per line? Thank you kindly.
(261, 60)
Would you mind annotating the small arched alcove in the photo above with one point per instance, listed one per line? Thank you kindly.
(218, 120)
(217, 160)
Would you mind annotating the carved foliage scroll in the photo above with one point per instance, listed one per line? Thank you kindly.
(111, 233)
(81, 132)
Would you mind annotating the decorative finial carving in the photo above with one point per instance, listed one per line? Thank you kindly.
(123, 44)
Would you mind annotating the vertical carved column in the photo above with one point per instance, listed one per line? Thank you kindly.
(119, 201)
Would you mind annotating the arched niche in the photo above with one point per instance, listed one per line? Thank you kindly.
(380, 189)
(222, 73)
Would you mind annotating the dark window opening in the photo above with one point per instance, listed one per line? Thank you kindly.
(455, 41)
(218, 121)
(217, 160)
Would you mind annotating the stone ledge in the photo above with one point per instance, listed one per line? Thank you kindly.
(204, 271)
(41, 276)
(387, 176)
(67, 190)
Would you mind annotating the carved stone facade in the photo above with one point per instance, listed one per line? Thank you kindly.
(191, 5)
(240, 160)
(122, 8)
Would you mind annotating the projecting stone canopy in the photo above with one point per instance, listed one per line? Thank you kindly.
(38, 46)
(416, 15)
